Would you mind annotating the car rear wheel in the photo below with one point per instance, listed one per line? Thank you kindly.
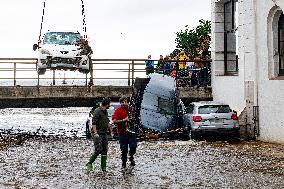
(84, 71)
(193, 135)
(41, 71)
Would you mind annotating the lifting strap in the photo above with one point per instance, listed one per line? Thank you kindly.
(84, 20)
(39, 37)
(83, 15)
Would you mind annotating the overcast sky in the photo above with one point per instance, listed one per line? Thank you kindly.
(116, 28)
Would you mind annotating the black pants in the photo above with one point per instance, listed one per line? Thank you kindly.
(126, 141)
(149, 70)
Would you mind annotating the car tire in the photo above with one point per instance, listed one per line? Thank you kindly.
(84, 71)
(193, 135)
(41, 71)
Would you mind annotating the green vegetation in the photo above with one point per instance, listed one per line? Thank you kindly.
(194, 41)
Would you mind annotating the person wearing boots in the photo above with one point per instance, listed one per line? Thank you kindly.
(99, 130)
(126, 139)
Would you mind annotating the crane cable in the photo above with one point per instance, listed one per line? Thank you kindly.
(39, 37)
(83, 15)
(84, 20)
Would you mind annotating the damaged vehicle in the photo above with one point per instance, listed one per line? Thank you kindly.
(63, 50)
(160, 108)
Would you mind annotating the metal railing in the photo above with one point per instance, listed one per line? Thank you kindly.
(22, 71)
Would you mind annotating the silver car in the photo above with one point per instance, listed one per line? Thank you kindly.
(211, 117)
(61, 50)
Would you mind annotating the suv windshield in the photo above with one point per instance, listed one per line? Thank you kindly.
(207, 109)
(61, 38)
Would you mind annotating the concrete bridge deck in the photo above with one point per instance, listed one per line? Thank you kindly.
(63, 96)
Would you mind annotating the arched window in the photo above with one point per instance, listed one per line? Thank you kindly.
(275, 36)
(281, 44)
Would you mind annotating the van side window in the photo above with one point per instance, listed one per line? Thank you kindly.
(165, 106)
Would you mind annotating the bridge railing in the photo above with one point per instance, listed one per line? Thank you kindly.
(22, 71)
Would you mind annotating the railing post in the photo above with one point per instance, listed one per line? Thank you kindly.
(132, 72)
(86, 80)
(15, 70)
(128, 75)
(37, 79)
(53, 77)
(91, 72)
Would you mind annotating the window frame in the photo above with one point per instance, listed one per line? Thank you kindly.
(281, 71)
(233, 29)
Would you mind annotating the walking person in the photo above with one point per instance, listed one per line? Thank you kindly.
(99, 130)
(126, 139)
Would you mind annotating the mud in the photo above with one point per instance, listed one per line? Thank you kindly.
(50, 163)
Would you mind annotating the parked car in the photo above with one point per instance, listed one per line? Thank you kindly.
(111, 110)
(211, 117)
(62, 50)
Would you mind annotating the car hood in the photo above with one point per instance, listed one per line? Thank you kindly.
(61, 50)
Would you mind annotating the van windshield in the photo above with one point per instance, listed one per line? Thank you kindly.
(61, 38)
(207, 109)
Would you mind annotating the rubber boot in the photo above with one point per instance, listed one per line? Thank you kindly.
(103, 162)
(91, 161)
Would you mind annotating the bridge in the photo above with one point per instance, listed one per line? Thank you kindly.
(21, 86)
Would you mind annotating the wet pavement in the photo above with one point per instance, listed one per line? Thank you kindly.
(49, 163)
(56, 158)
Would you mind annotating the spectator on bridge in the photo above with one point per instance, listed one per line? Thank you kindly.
(149, 65)
(99, 130)
(160, 65)
(182, 56)
(203, 76)
(195, 74)
(167, 66)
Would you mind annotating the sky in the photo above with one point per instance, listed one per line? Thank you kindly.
(116, 28)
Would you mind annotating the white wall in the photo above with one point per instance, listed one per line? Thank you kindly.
(271, 92)
(253, 47)
(227, 89)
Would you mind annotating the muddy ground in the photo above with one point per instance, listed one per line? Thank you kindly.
(60, 163)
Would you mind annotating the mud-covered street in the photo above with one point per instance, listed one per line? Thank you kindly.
(160, 164)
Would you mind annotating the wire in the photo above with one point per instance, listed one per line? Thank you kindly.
(43, 10)
(84, 20)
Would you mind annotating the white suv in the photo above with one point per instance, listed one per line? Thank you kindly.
(62, 50)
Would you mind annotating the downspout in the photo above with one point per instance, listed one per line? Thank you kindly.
(256, 109)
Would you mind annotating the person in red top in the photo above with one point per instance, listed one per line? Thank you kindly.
(126, 139)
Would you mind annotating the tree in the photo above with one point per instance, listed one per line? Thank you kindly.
(195, 41)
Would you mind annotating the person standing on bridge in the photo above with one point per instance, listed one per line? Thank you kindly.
(126, 138)
(149, 65)
(99, 130)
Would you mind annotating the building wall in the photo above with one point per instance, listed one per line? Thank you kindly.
(254, 84)
(227, 89)
(271, 92)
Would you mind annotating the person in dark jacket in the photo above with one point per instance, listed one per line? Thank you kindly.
(99, 130)
(126, 139)
(149, 65)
